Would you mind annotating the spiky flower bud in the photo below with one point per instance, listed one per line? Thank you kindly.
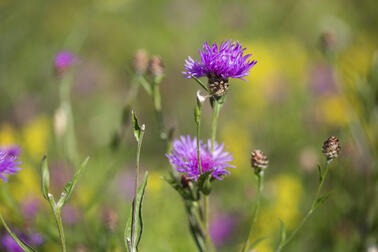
(259, 161)
(140, 61)
(156, 67)
(331, 148)
(218, 86)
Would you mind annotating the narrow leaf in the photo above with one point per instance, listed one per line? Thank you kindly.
(136, 127)
(256, 242)
(321, 200)
(132, 237)
(20, 242)
(45, 178)
(282, 233)
(200, 82)
(320, 173)
(69, 187)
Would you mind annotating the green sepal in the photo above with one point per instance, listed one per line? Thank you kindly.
(69, 187)
(204, 182)
(186, 193)
(132, 239)
(45, 178)
(25, 247)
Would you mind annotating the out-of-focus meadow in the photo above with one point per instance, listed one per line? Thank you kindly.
(316, 76)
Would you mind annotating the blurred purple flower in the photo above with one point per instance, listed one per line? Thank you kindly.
(64, 60)
(29, 208)
(8, 161)
(70, 215)
(11, 245)
(184, 158)
(37, 239)
(321, 80)
(125, 184)
(225, 61)
(221, 228)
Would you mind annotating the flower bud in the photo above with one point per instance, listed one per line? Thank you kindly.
(331, 148)
(110, 218)
(259, 161)
(156, 67)
(60, 121)
(140, 61)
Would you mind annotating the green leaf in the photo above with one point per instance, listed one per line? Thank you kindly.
(132, 237)
(20, 243)
(204, 182)
(136, 127)
(200, 82)
(45, 178)
(69, 187)
(282, 233)
(256, 242)
(321, 200)
(320, 173)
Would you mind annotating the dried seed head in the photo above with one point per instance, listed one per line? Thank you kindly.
(156, 67)
(218, 86)
(110, 218)
(331, 148)
(259, 161)
(140, 61)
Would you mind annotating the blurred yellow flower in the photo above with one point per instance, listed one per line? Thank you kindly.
(154, 183)
(237, 141)
(26, 183)
(7, 135)
(332, 110)
(35, 137)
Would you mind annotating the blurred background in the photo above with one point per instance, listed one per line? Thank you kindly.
(316, 76)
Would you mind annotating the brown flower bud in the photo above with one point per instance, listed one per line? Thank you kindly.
(140, 61)
(156, 67)
(259, 161)
(110, 218)
(331, 148)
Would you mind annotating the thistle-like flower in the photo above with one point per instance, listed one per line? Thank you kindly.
(63, 61)
(259, 161)
(219, 64)
(331, 148)
(140, 61)
(156, 67)
(184, 158)
(8, 161)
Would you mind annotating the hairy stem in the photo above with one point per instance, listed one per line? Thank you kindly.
(311, 210)
(260, 181)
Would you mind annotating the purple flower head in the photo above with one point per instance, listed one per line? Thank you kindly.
(8, 161)
(184, 158)
(9, 244)
(64, 60)
(225, 61)
(221, 229)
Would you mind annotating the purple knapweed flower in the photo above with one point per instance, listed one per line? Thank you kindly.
(184, 158)
(8, 161)
(219, 64)
(221, 229)
(63, 61)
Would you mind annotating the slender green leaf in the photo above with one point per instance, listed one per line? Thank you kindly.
(69, 187)
(45, 178)
(321, 200)
(257, 242)
(200, 82)
(136, 127)
(132, 237)
(282, 234)
(320, 173)
(20, 242)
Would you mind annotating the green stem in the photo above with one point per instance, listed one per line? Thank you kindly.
(70, 145)
(58, 220)
(309, 213)
(260, 181)
(216, 109)
(136, 186)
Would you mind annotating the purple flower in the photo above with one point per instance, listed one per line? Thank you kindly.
(221, 229)
(184, 158)
(64, 60)
(8, 161)
(9, 244)
(225, 61)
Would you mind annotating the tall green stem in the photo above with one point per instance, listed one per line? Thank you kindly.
(70, 145)
(136, 186)
(58, 220)
(157, 104)
(312, 209)
(260, 181)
